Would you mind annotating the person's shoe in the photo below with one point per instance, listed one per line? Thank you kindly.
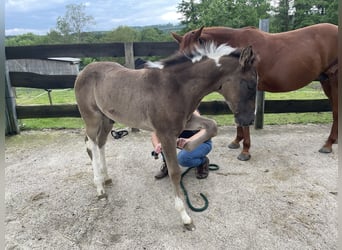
(202, 171)
(162, 172)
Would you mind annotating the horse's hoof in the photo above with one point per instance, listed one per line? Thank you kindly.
(244, 157)
(325, 150)
(108, 182)
(233, 145)
(102, 196)
(190, 227)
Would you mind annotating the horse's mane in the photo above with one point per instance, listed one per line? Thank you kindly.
(206, 50)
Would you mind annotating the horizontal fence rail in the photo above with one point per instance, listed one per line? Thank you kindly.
(38, 81)
(128, 51)
(205, 108)
(90, 50)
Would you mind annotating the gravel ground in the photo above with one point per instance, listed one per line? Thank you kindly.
(284, 197)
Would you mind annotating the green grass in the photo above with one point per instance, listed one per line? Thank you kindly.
(312, 91)
(26, 96)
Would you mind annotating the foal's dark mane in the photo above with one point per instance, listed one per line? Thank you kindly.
(177, 58)
(236, 53)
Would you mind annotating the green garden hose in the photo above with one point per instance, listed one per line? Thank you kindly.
(212, 167)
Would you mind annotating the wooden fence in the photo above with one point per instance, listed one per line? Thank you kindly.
(125, 50)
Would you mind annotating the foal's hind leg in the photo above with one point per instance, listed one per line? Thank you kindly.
(97, 133)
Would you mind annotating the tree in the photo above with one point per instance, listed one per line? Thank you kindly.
(122, 34)
(74, 22)
(332, 12)
(315, 11)
(287, 15)
(24, 39)
(150, 35)
(190, 11)
(294, 14)
(283, 18)
(231, 13)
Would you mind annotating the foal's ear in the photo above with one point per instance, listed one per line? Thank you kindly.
(247, 57)
(177, 37)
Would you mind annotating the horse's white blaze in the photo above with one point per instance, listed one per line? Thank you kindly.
(179, 205)
(97, 161)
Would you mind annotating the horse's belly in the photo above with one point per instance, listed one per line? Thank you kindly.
(130, 119)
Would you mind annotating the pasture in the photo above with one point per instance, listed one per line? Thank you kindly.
(284, 197)
(27, 96)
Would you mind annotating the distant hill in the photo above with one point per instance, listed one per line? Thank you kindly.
(163, 27)
(166, 28)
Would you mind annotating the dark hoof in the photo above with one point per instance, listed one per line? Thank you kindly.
(102, 196)
(233, 145)
(244, 157)
(108, 182)
(189, 227)
(325, 150)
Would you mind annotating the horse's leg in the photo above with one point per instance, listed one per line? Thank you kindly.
(99, 178)
(239, 136)
(330, 88)
(245, 155)
(97, 130)
(107, 126)
(169, 150)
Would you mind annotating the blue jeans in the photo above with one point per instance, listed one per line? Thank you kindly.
(195, 157)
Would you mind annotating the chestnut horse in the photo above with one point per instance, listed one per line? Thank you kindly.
(161, 98)
(287, 61)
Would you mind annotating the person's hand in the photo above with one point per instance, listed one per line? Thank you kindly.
(181, 142)
(158, 148)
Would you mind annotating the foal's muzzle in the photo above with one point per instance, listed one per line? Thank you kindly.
(245, 119)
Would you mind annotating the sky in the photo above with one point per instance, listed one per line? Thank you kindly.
(40, 16)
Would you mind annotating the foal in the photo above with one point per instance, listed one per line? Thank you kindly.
(161, 98)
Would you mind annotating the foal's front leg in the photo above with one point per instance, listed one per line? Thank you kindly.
(170, 153)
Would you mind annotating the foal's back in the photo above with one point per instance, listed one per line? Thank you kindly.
(110, 89)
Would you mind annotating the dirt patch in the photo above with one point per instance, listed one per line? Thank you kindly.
(284, 197)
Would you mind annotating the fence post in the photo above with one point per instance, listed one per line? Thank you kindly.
(12, 126)
(129, 55)
(129, 62)
(260, 95)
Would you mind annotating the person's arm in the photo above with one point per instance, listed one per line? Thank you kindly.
(181, 142)
(156, 143)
